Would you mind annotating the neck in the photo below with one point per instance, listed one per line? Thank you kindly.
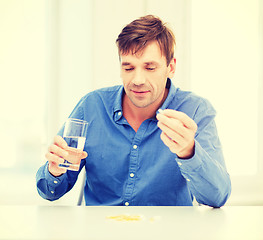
(137, 113)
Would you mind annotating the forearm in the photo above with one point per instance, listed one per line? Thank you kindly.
(207, 178)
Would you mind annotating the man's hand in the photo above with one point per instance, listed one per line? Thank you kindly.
(178, 132)
(58, 152)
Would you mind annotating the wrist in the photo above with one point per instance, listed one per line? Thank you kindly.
(55, 171)
(187, 153)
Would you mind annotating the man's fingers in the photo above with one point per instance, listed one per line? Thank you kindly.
(173, 146)
(171, 126)
(178, 132)
(84, 155)
(60, 141)
(58, 151)
(55, 170)
(80, 153)
(54, 158)
(175, 133)
(182, 117)
(176, 147)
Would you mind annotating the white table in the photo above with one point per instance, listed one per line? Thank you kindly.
(164, 223)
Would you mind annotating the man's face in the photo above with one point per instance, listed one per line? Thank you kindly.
(144, 75)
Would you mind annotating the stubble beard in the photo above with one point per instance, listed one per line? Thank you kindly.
(145, 102)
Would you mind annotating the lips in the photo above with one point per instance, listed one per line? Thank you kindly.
(139, 93)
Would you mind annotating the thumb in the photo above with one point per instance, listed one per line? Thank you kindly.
(84, 155)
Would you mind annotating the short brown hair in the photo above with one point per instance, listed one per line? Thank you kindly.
(137, 34)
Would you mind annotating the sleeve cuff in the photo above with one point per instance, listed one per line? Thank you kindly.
(191, 164)
(52, 180)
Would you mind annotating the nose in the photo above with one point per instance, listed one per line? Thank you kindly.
(138, 78)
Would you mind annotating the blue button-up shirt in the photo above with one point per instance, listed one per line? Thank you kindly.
(125, 167)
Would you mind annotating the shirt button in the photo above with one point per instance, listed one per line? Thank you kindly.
(55, 182)
(52, 192)
(135, 146)
(179, 163)
(132, 175)
(119, 113)
(127, 204)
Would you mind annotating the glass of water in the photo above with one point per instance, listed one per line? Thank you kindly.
(75, 135)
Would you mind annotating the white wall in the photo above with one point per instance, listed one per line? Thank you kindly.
(226, 68)
(22, 99)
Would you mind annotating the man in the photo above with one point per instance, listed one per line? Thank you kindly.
(132, 155)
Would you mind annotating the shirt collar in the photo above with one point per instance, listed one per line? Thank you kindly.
(171, 94)
(117, 106)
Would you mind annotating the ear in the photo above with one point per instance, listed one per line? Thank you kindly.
(171, 68)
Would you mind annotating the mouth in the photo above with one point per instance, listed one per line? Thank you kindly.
(139, 92)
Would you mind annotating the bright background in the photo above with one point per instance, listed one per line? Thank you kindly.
(52, 52)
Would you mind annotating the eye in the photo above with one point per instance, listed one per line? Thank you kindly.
(128, 69)
(150, 69)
